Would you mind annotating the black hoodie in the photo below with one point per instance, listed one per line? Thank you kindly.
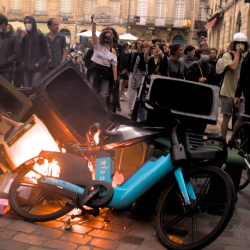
(35, 48)
(9, 51)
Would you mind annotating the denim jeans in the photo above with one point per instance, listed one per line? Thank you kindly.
(8, 76)
(32, 78)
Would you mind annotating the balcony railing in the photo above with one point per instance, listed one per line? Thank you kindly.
(40, 12)
(65, 13)
(156, 21)
(15, 11)
(199, 25)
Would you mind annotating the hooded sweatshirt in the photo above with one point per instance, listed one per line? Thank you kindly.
(9, 51)
(36, 49)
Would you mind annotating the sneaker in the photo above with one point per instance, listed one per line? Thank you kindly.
(126, 94)
(121, 99)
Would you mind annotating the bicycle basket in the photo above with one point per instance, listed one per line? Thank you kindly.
(204, 147)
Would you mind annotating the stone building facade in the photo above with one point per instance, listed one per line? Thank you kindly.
(172, 20)
(227, 17)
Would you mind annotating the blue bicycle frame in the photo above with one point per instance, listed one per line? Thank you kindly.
(140, 182)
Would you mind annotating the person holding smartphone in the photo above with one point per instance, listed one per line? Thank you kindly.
(230, 81)
(158, 62)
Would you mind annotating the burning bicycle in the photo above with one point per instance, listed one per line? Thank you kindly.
(126, 162)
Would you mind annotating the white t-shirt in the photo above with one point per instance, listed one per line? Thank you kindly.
(103, 56)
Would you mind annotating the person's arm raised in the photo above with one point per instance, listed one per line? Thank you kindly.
(94, 37)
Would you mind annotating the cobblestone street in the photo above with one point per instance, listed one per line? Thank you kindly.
(115, 229)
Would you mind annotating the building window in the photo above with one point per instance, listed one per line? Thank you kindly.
(239, 23)
(117, 6)
(40, 8)
(142, 11)
(15, 6)
(65, 8)
(88, 6)
(179, 13)
(160, 12)
(202, 13)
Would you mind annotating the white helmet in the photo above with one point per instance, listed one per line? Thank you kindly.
(240, 37)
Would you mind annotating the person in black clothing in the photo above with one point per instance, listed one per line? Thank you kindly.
(36, 53)
(188, 56)
(213, 57)
(158, 63)
(9, 49)
(130, 67)
(18, 75)
(201, 71)
(243, 86)
(87, 60)
(124, 74)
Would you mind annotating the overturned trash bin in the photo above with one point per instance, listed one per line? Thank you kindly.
(194, 104)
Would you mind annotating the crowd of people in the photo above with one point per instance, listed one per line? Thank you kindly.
(26, 55)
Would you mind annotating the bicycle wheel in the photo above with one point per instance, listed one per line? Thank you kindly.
(34, 203)
(240, 143)
(181, 226)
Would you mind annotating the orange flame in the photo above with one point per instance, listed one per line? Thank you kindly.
(96, 137)
(48, 168)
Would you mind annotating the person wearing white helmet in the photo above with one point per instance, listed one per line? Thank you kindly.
(232, 64)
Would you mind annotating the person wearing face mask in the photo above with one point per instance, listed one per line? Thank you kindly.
(103, 70)
(201, 71)
(36, 53)
(114, 92)
(9, 49)
(230, 81)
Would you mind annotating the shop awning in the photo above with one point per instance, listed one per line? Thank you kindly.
(43, 27)
(40, 26)
(211, 23)
(16, 24)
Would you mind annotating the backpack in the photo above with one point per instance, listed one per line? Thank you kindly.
(220, 69)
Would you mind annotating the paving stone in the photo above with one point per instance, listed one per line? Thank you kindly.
(37, 248)
(60, 244)
(94, 224)
(106, 244)
(49, 232)
(227, 234)
(29, 238)
(104, 234)
(11, 244)
(76, 238)
(5, 222)
(139, 217)
(117, 228)
(131, 240)
(232, 242)
(7, 233)
(52, 223)
(125, 246)
(83, 248)
(23, 226)
(81, 229)
(215, 246)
